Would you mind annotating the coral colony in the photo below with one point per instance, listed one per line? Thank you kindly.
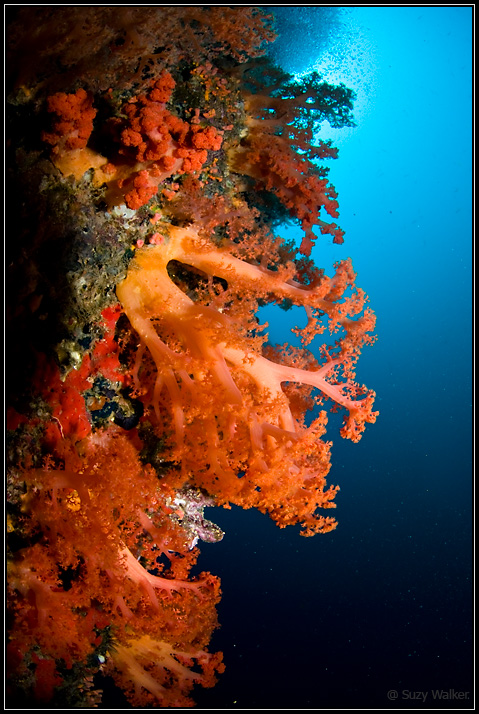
(153, 154)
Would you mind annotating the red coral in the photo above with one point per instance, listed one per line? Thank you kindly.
(162, 88)
(154, 143)
(71, 132)
(74, 122)
(105, 354)
(70, 418)
(64, 396)
(46, 678)
(161, 143)
(142, 190)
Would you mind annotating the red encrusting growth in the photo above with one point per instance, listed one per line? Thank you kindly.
(64, 395)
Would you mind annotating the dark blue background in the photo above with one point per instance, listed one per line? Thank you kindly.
(384, 602)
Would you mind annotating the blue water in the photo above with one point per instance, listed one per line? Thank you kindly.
(383, 603)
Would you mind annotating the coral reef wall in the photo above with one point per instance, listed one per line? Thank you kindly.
(153, 152)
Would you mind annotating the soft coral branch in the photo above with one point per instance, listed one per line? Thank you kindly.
(224, 390)
(93, 508)
(277, 150)
(273, 164)
(151, 670)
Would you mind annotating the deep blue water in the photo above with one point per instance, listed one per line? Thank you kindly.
(384, 602)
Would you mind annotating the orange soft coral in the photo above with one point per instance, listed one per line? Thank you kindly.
(104, 520)
(278, 150)
(234, 431)
(152, 671)
(94, 505)
(274, 165)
